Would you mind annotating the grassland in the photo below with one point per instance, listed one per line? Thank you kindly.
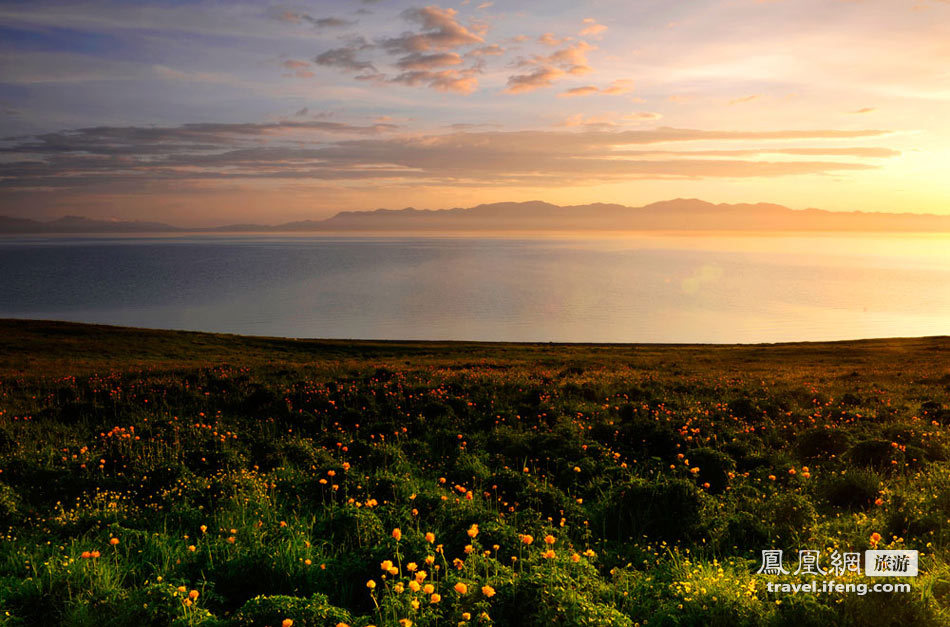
(154, 478)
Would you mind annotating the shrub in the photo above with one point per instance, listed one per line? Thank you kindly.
(822, 442)
(855, 489)
(714, 467)
(668, 509)
(270, 611)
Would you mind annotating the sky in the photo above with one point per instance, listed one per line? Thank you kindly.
(209, 112)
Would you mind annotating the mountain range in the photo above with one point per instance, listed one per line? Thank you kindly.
(679, 214)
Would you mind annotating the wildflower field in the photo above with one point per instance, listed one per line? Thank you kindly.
(159, 477)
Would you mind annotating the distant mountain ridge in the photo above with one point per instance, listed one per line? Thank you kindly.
(687, 214)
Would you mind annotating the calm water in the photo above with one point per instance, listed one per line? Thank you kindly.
(629, 288)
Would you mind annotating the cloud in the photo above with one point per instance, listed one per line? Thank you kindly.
(621, 86)
(641, 116)
(344, 58)
(586, 90)
(490, 50)
(293, 17)
(572, 58)
(418, 61)
(859, 151)
(865, 110)
(440, 31)
(459, 81)
(545, 69)
(420, 56)
(610, 119)
(592, 27)
(535, 79)
(548, 39)
(604, 120)
(297, 68)
(97, 157)
(293, 64)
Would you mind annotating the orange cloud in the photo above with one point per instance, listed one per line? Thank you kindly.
(571, 59)
(459, 81)
(642, 116)
(440, 31)
(592, 27)
(586, 90)
(621, 86)
(548, 39)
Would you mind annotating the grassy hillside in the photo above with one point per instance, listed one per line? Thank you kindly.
(157, 477)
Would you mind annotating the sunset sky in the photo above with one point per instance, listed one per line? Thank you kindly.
(196, 113)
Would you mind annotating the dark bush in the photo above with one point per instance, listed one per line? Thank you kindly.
(854, 490)
(667, 509)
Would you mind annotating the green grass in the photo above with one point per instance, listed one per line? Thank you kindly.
(268, 475)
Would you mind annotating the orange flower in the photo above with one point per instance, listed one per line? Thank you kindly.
(386, 565)
(371, 584)
(397, 534)
(94, 554)
(488, 591)
(430, 537)
(193, 595)
(472, 531)
(549, 540)
(548, 555)
(461, 588)
(435, 598)
(875, 538)
(289, 622)
(526, 539)
(114, 541)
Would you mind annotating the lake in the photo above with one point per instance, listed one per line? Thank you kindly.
(626, 287)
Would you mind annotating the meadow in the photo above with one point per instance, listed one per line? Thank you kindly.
(173, 478)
